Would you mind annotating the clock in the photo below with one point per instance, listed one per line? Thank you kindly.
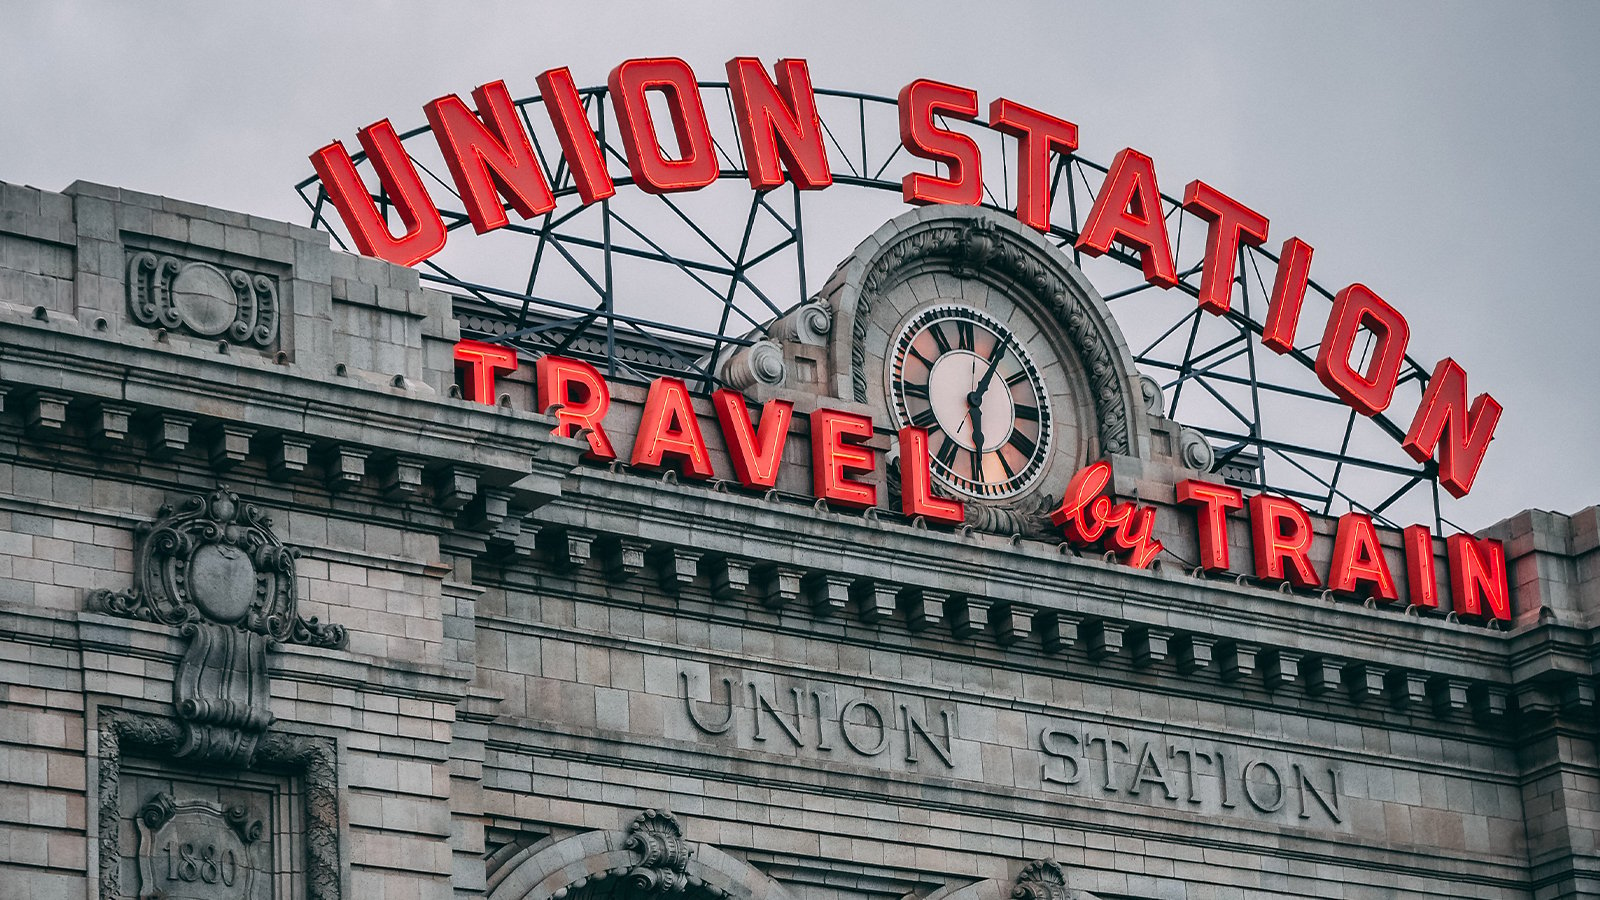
(962, 375)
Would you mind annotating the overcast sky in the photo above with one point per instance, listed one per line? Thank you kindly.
(1443, 154)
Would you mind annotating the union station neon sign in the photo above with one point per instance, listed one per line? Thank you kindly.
(494, 167)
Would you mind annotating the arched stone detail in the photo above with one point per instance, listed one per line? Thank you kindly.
(973, 239)
(1041, 879)
(555, 867)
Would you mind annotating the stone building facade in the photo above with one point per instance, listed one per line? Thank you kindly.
(283, 616)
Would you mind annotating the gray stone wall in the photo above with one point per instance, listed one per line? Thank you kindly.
(538, 650)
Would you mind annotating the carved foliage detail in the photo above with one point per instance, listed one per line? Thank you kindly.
(663, 853)
(1042, 879)
(217, 560)
(317, 761)
(314, 759)
(121, 732)
(232, 304)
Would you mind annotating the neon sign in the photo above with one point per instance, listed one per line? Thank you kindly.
(495, 168)
(669, 438)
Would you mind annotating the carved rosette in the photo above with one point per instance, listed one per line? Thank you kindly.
(217, 560)
(1042, 879)
(232, 304)
(663, 854)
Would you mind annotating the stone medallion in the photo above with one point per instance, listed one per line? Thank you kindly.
(205, 300)
(202, 299)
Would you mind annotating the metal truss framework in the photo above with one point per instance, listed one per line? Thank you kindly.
(1271, 422)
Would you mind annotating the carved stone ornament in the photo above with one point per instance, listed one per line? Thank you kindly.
(808, 323)
(227, 304)
(313, 759)
(217, 572)
(1042, 879)
(759, 363)
(222, 694)
(663, 854)
(196, 850)
(217, 560)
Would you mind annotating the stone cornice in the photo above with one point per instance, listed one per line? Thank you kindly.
(156, 402)
(1031, 596)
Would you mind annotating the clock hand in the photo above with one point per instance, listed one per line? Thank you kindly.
(976, 413)
(983, 383)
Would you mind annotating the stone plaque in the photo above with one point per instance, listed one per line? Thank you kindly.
(196, 850)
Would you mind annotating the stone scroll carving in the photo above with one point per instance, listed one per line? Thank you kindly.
(221, 694)
(227, 304)
(216, 571)
(217, 560)
(1042, 879)
(663, 854)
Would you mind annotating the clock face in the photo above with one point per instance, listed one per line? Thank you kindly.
(963, 376)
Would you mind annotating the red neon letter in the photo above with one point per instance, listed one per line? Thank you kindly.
(919, 100)
(578, 143)
(1128, 211)
(1080, 517)
(1422, 579)
(833, 461)
(1229, 224)
(581, 393)
(425, 232)
(1038, 135)
(1288, 292)
(489, 155)
(1273, 543)
(1477, 573)
(1134, 535)
(1211, 502)
(1354, 307)
(478, 362)
(916, 485)
(653, 172)
(755, 454)
(1443, 413)
(668, 428)
(1358, 560)
(778, 121)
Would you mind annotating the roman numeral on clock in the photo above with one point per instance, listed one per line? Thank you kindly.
(1024, 444)
(966, 336)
